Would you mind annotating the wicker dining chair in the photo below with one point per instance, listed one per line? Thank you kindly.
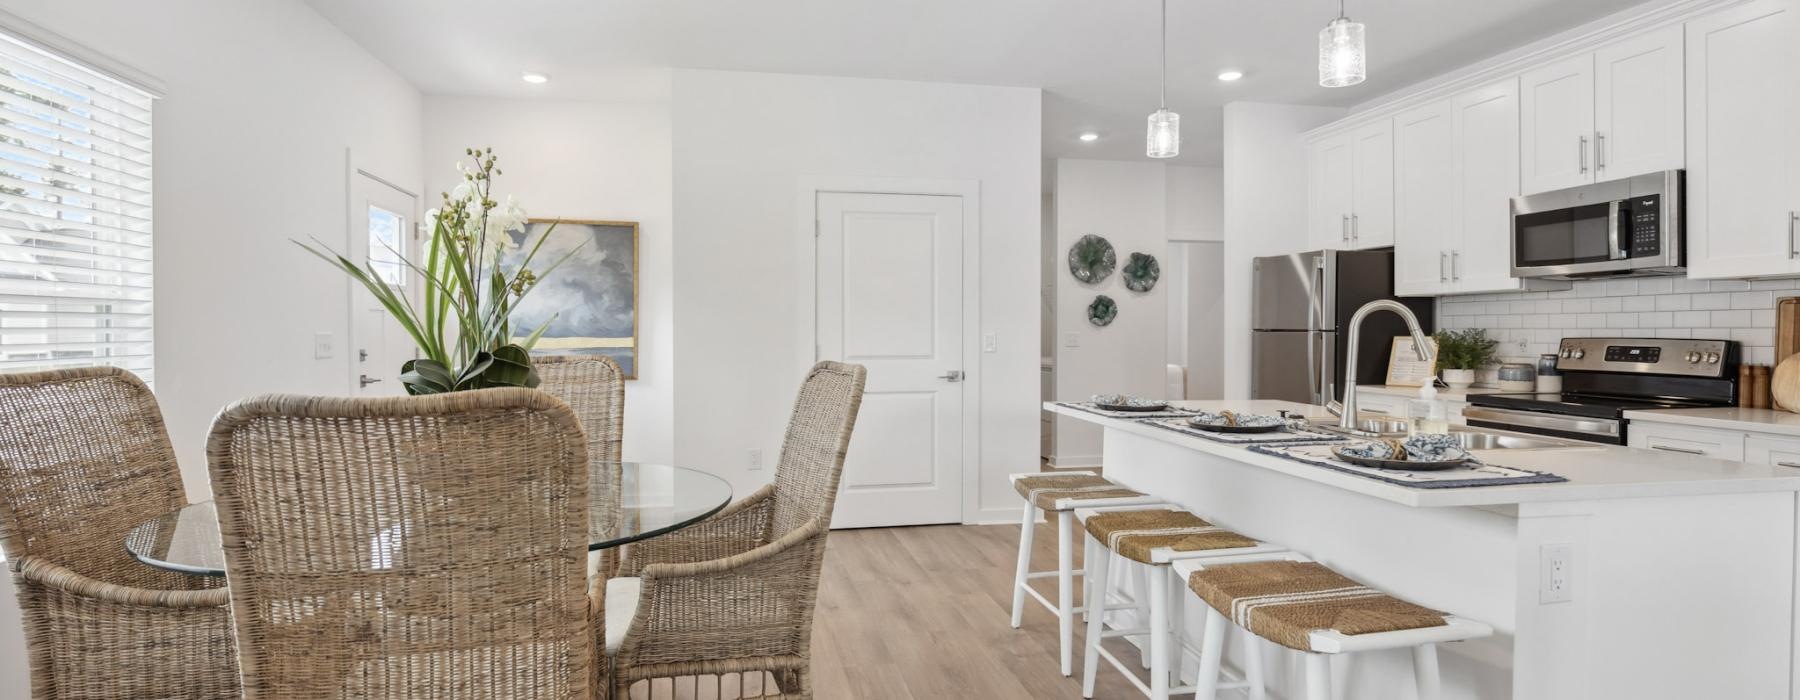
(84, 457)
(734, 595)
(407, 547)
(594, 386)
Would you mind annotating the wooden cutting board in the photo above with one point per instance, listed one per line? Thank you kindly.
(1784, 384)
(1787, 328)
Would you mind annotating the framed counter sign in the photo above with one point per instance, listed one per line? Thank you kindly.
(1404, 367)
(591, 300)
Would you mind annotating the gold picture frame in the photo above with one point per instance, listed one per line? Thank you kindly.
(584, 281)
(1404, 367)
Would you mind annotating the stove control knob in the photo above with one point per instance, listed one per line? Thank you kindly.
(1564, 354)
(1712, 358)
(1693, 357)
(1579, 353)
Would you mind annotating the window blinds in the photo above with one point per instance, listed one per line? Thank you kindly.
(75, 224)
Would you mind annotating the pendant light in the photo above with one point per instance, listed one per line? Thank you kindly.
(1343, 60)
(1163, 140)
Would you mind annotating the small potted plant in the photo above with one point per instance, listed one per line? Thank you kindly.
(1460, 353)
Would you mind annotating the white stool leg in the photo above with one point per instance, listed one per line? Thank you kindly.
(1318, 677)
(1019, 580)
(1159, 633)
(1099, 565)
(1065, 587)
(1177, 622)
(1140, 597)
(1212, 650)
(1425, 671)
(1253, 666)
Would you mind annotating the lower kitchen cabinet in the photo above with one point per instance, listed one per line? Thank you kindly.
(1685, 439)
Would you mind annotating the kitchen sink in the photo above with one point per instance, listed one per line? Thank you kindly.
(1468, 438)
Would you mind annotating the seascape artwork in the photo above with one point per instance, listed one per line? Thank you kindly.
(591, 300)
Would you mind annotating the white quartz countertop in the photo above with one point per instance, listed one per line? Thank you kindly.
(1754, 420)
(1413, 391)
(1594, 472)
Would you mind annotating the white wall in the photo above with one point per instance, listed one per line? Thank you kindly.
(743, 141)
(263, 101)
(1123, 202)
(1196, 203)
(604, 160)
(1265, 209)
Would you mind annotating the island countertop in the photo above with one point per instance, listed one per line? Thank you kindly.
(1594, 472)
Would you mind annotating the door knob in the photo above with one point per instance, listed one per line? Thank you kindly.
(364, 380)
(954, 375)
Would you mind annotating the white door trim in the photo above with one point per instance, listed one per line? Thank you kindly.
(353, 169)
(806, 338)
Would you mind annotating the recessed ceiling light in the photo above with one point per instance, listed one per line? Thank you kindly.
(1231, 75)
(535, 78)
(1089, 136)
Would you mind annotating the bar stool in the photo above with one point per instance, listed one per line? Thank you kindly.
(1061, 493)
(1151, 539)
(1305, 606)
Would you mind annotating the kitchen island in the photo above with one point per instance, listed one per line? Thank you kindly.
(1681, 580)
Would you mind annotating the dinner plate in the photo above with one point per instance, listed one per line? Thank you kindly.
(1400, 464)
(1209, 427)
(1133, 408)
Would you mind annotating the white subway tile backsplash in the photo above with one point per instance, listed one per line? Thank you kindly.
(1683, 285)
(1672, 333)
(1640, 303)
(1655, 285)
(1621, 320)
(1608, 305)
(1531, 323)
(1622, 288)
(1592, 321)
(1577, 306)
(1729, 319)
(1712, 301)
(1656, 319)
(1752, 300)
(1727, 285)
(1776, 285)
(1673, 302)
(1763, 318)
(1692, 319)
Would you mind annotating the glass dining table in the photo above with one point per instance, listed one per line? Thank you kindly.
(648, 500)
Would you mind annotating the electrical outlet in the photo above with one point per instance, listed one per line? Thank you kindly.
(755, 459)
(990, 342)
(1520, 344)
(324, 346)
(1071, 340)
(1556, 573)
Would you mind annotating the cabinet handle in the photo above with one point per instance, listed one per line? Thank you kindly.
(1583, 153)
(1344, 229)
(1793, 218)
(1600, 151)
(1788, 464)
(1455, 262)
(1678, 450)
(1443, 263)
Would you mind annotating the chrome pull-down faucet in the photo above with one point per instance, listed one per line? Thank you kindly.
(1347, 420)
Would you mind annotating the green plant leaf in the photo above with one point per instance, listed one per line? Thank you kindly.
(421, 377)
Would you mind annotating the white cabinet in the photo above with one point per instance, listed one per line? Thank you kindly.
(1423, 200)
(1606, 115)
(1485, 152)
(1772, 450)
(1743, 181)
(1683, 439)
(1350, 188)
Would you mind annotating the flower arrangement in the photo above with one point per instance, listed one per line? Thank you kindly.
(462, 322)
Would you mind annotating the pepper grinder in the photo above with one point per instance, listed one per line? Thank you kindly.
(1746, 386)
(1759, 379)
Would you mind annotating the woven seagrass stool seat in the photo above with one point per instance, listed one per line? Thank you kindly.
(1305, 606)
(1061, 493)
(1145, 540)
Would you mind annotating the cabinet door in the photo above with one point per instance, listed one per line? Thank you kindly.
(1741, 140)
(1424, 200)
(1687, 440)
(1485, 152)
(1556, 104)
(1372, 185)
(1638, 105)
(1328, 191)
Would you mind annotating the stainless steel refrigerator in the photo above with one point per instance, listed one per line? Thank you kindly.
(1300, 314)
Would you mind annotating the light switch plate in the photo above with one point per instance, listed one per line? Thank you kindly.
(1071, 340)
(324, 346)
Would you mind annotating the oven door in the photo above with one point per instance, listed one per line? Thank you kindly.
(1608, 431)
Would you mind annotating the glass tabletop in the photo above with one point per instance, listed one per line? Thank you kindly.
(652, 499)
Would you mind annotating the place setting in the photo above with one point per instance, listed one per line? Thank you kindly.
(1128, 407)
(1420, 461)
(1248, 428)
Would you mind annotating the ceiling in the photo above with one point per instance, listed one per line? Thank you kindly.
(1096, 61)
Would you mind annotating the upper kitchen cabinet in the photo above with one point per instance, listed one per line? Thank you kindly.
(1350, 188)
(1607, 115)
(1743, 181)
(1485, 154)
(1424, 200)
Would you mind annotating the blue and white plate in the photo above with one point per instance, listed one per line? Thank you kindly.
(1228, 422)
(1416, 453)
(1125, 402)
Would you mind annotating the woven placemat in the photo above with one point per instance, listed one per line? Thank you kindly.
(1477, 474)
(1286, 436)
(1089, 407)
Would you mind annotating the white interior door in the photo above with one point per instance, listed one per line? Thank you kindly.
(381, 225)
(890, 297)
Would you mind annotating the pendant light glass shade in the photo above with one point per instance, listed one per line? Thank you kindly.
(1164, 137)
(1342, 57)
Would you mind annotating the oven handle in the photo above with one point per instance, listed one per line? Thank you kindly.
(1528, 419)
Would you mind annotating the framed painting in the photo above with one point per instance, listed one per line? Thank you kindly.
(591, 301)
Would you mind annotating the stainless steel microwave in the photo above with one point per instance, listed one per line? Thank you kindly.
(1622, 228)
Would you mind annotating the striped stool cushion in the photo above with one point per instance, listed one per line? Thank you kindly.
(1286, 601)
(1134, 533)
(1044, 491)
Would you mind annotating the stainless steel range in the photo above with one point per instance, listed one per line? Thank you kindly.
(1605, 377)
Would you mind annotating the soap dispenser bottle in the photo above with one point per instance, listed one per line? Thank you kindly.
(1426, 415)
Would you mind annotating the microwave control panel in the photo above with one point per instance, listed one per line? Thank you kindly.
(1645, 213)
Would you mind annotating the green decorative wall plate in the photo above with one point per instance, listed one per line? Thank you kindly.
(1091, 259)
(1141, 272)
(1102, 311)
